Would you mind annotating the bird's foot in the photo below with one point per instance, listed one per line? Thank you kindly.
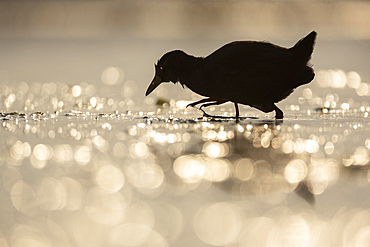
(205, 114)
(215, 101)
(191, 104)
(205, 100)
(278, 113)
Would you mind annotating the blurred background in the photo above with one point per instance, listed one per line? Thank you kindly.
(166, 20)
(75, 41)
(87, 160)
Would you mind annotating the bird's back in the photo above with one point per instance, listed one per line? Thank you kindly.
(251, 72)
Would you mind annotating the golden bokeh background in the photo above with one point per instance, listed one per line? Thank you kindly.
(86, 160)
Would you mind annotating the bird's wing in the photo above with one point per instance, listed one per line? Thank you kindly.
(245, 70)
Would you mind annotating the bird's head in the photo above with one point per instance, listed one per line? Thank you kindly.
(167, 69)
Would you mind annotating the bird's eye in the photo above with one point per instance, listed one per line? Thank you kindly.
(161, 67)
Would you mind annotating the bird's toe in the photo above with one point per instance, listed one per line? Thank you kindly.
(278, 113)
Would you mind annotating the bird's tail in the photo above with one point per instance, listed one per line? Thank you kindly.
(304, 47)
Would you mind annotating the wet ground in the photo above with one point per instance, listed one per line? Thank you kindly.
(83, 166)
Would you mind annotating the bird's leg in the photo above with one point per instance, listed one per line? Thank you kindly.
(237, 110)
(218, 102)
(210, 99)
(278, 112)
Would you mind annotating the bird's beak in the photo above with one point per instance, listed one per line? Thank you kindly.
(155, 83)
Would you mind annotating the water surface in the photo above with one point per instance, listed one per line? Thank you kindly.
(91, 162)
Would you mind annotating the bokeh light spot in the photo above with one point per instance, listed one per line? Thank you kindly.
(76, 91)
(296, 171)
(42, 152)
(217, 170)
(148, 176)
(244, 169)
(189, 168)
(82, 155)
(23, 198)
(215, 149)
(218, 224)
(110, 178)
(361, 156)
(112, 76)
(51, 194)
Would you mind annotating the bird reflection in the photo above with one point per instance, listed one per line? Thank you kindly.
(243, 165)
(303, 191)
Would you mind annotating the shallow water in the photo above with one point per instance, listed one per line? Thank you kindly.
(82, 166)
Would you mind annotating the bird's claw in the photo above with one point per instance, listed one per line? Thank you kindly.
(205, 114)
(190, 104)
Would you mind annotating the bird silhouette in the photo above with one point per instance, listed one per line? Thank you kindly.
(254, 73)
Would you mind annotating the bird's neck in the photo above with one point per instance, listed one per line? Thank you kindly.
(191, 71)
